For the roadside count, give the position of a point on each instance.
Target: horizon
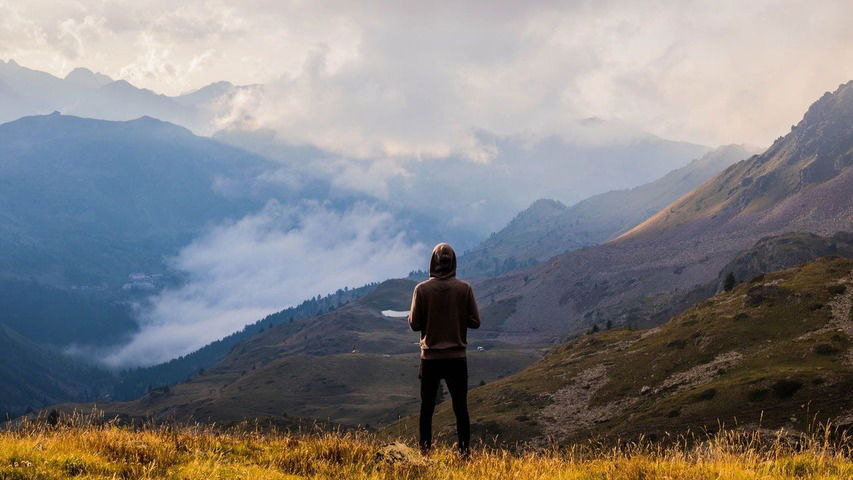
(673, 69)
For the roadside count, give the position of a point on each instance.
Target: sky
(419, 78)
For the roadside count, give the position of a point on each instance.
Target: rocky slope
(548, 227)
(804, 182)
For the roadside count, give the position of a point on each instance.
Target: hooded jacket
(443, 308)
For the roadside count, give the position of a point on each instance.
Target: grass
(76, 447)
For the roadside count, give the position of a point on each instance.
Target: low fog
(240, 272)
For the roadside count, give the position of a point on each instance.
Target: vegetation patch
(786, 388)
(826, 349)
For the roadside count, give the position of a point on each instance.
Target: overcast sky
(416, 77)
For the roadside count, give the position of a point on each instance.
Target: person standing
(443, 309)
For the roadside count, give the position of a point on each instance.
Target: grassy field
(80, 449)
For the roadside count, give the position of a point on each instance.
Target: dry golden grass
(78, 448)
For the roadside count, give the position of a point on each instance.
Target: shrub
(837, 289)
(786, 388)
(758, 395)
(706, 394)
(730, 282)
(825, 349)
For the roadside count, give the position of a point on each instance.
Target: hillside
(351, 366)
(570, 292)
(775, 352)
(34, 377)
(808, 165)
(86, 203)
(548, 227)
(132, 383)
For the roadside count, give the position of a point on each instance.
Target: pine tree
(730, 282)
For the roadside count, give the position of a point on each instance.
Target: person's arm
(473, 312)
(416, 315)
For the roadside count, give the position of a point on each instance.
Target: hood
(443, 262)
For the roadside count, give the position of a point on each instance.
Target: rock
(646, 389)
(399, 452)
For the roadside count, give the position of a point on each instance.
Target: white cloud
(413, 78)
(240, 272)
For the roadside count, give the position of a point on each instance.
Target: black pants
(454, 371)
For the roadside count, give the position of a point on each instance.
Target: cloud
(240, 272)
(392, 78)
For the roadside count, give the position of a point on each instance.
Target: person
(443, 309)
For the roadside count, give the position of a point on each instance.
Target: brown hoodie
(443, 308)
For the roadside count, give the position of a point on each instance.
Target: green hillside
(774, 352)
(350, 366)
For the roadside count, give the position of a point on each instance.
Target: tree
(730, 282)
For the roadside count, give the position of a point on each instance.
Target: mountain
(784, 251)
(326, 366)
(462, 198)
(688, 243)
(805, 169)
(25, 92)
(482, 196)
(87, 203)
(548, 227)
(353, 365)
(34, 377)
(776, 352)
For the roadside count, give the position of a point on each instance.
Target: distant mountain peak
(545, 205)
(86, 78)
(817, 150)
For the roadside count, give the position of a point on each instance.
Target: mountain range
(466, 198)
(27, 92)
(121, 195)
(687, 243)
(86, 204)
(548, 228)
(775, 339)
